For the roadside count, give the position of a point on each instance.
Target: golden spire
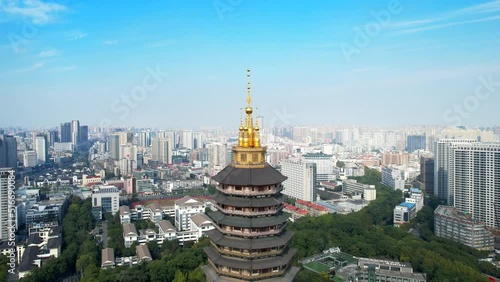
(248, 152)
(249, 98)
(248, 136)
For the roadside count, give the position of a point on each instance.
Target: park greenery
(80, 250)
(4, 267)
(368, 233)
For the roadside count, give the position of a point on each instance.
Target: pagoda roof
(249, 244)
(251, 264)
(240, 221)
(248, 202)
(251, 176)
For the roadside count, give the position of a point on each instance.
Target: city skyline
(383, 63)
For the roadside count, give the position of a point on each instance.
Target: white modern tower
(301, 179)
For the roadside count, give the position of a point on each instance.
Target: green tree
(179, 277)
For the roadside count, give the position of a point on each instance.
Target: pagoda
(250, 240)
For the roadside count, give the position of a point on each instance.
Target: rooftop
(310, 205)
(143, 252)
(166, 225)
(266, 175)
(201, 219)
(188, 201)
(129, 228)
(408, 205)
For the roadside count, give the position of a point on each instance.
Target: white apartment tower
(442, 167)
(4, 209)
(217, 158)
(474, 180)
(41, 149)
(301, 180)
(161, 150)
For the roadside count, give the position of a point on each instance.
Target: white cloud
(110, 42)
(48, 53)
(37, 11)
(31, 68)
(75, 35)
(63, 68)
(484, 12)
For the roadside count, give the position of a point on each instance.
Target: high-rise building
(161, 150)
(186, 139)
(144, 138)
(41, 149)
(30, 159)
(197, 140)
(114, 146)
(75, 132)
(84, 134)
(65, 132)
(8, 151)
(51, 136)
(4, 202)
(415, 142)
(217, 158)
(324, 165)
(427, 174)
(250, 240)
(474, 180)
(301, 182)
(442, 168)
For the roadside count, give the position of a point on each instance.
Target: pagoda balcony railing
(247, 276)
(248, 213)
(248, 192)
(247, 254)
(252, 234)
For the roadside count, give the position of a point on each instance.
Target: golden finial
(249, 99)
(256, 120)
(241, 119)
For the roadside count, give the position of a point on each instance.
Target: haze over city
(352, 63)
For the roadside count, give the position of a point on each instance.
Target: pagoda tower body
(249, 242)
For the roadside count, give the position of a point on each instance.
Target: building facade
(458, 226)
(474, 181)
(184, 209)
(301, 182)
(105, 199)
(442, 153)
(8, 151)
(249, 241)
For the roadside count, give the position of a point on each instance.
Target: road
(104, 235)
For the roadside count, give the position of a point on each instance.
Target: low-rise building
(143, 253)
(200, 223)
(129, 234)
(125, 215)
(404, 212)
(105, 199)
(352, 187)
(166, 230)
(107, 258)
(417, 198)
(461, 227)
(311, 208)
(184, 209)
(384, 270)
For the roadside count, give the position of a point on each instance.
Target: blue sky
(315, 63)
